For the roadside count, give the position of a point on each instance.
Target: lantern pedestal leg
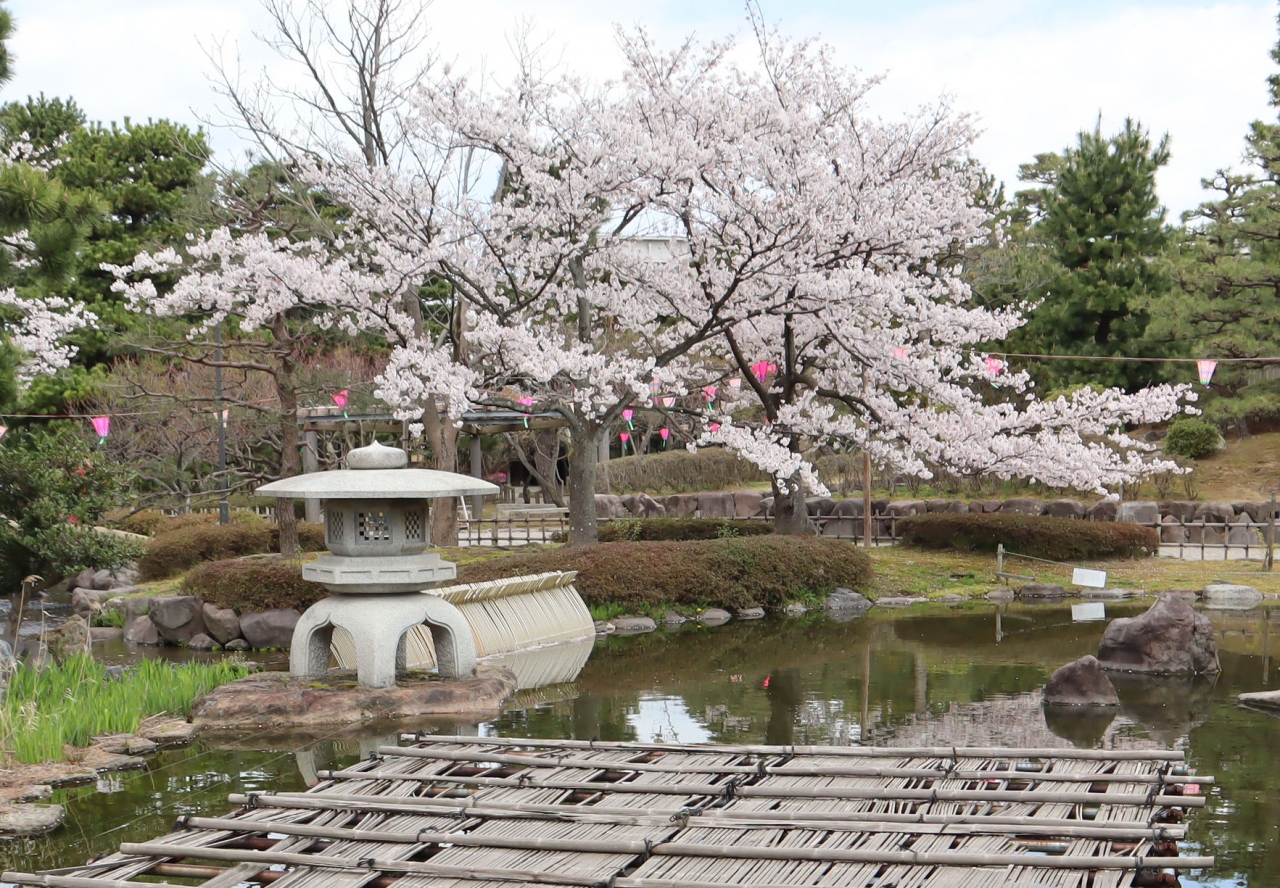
(377, 625)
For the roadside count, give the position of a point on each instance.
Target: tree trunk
(584, 440)
(290, 459)
(442, 435)
(790, 513)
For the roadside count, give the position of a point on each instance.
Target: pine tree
(1089, 255)
(1227, 303)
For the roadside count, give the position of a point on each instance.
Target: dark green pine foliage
(1227, 303)
(130, 184)
(1094, 245)
(6, 31)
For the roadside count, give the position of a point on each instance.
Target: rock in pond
(674, 619)
(1231, 596)
(29, 820)
(1042, 590)
(178, 618)
(1000, 596)
(1170, 638)
(222, 622)
(846, 599)
(202, 642)
(274, 699)
(633, 625)
(749, 613)
(1266, 700)
(899, 601)
(270, 629)
(1080, 683)
(714, 616)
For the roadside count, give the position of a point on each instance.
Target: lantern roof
(377, 472)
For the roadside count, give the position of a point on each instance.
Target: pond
(931, 675)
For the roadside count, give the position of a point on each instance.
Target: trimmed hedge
(677, 471)
(678, 529)
(764, 571)
(253, 584)
(1060, 539)
(198, 539)
(1192, 438)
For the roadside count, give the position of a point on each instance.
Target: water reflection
(967, 675)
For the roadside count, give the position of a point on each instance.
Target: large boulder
(646, 506)
(1179, 509)
(1257, 512)
(102, 580)
(1065, 508)
(680, 505)
(1231, 596)
(902, 508)
(84, 579)
(1023, 506)
(1102, 510)
(221, 622)
(1245, 533)
(820, 506)
(958, 507)
(716, 505)
(1139, 512)
(87, 602)
(1214, 513)
(1210, 536)
(986, 506)
(746, 503)
(1169, 639)
(629, 503)
(843, 599)
(138, 629)
(1172, 530)
(69, 640)
(937, 505)
(178, 618)
(845, 520)
(269, 629)
(1080, 683)
(610, 506)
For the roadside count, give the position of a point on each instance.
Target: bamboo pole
(1028, 827)
(789, 770)
(948, 752)
(784, 792)
(727, 818)
(673, 849)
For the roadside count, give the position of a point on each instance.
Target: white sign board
(1089, 611)
(1096, 579)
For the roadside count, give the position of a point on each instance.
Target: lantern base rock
(278, 700)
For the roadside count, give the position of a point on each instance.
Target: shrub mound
(677, 471)
(764, 571)
(1060, 539)
(1191, 438)
(196, 541)
(678, 529)
(253, 584)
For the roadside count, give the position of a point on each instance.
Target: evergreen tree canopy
(1086, 245)
(1227, 303)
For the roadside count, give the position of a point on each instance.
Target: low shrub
(676, 529)
(193, 542)
(678, 471)
(1191, 438)
(253, 584)
(145, 522)
(175, 551)
(1060, 539)
(764, 571)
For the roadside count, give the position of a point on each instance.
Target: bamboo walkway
(458, 812)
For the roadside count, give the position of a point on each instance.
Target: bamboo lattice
(451, 812)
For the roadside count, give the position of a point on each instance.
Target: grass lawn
(900, 570)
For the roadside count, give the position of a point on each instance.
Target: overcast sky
(1034, 72)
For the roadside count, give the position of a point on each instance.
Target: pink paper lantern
(668, 401)
(340, 398)
(627, 414)
(761, 370)
(710, 392)
(715, 426)
(526, 402)
(102, 425)
(900, 353)
(655, 387)
(1205, 369)
(735, 383)
(3, 429)
(664, 433)
(625, 437)
(995, 366)
(222, 416)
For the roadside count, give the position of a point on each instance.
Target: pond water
(932, 675)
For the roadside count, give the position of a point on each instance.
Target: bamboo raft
(455, 812)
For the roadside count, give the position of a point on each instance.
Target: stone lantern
(377, 533)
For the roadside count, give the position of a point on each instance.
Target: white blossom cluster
(40, 332)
